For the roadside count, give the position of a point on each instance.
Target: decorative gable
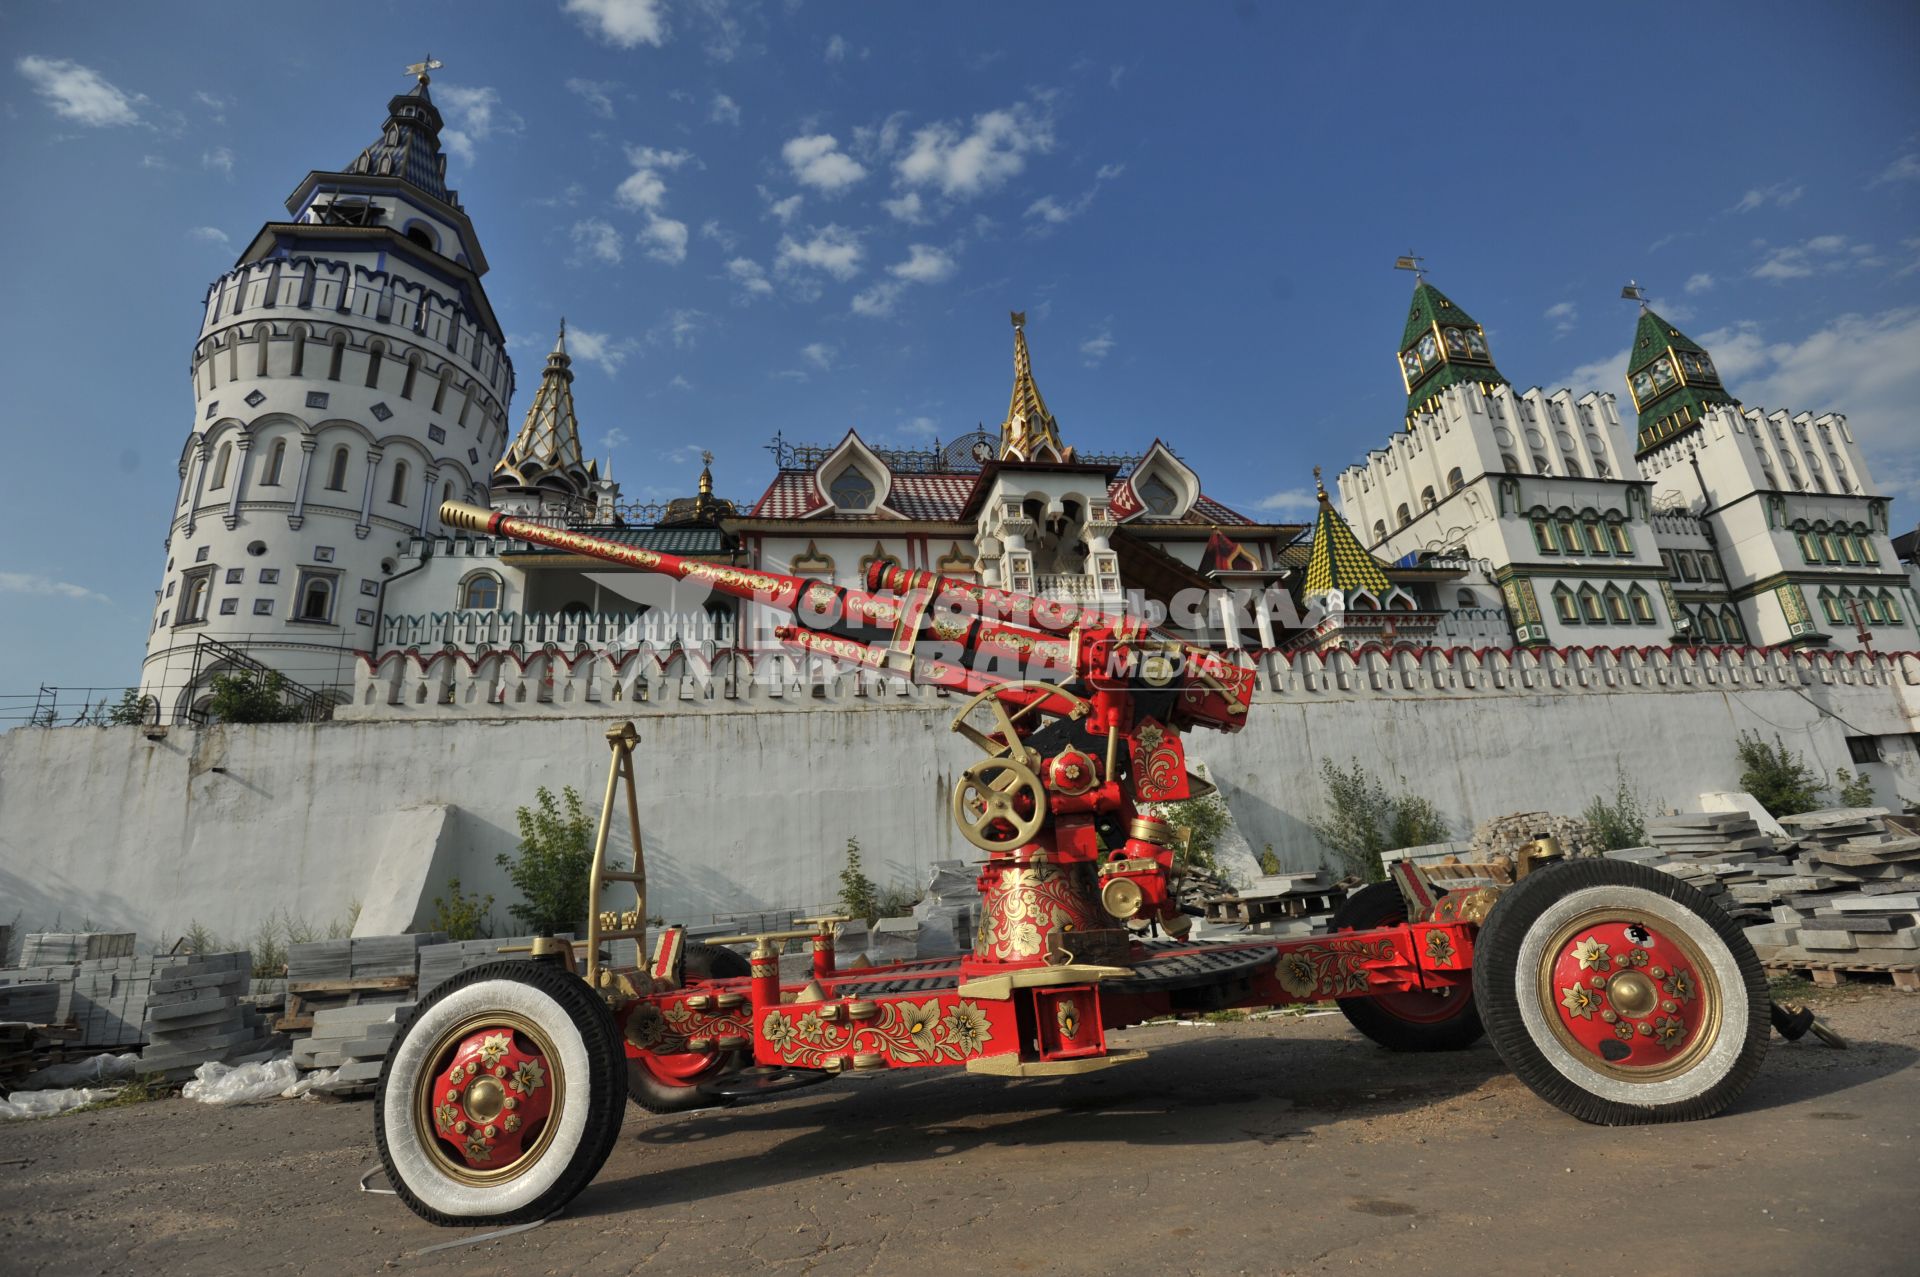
(853, 480)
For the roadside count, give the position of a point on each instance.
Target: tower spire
(409, 144)
(1442, 346)
(1337, 560)
(1030, 432)
(1671, 377)
(546, 456)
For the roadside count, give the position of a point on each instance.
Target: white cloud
(832, 249)
(214, 103)
(1290, 501)
(1053, 212)
(598, 94)
(962, 163)
(595, 239)
(818, 161)
(836, 48)
(1095, 349)
(713, 230)
(666, 239)
(153, 162)
(615, 438)
(219, 159)
(1107, 172)
(1699, 282)
(602, 350)
(819, 354)
(877, 302)
(79, 93)
(724, 32)
(624, 24)
(473, 115)
(679, 382)
(748, 276)
(1904, 169)
(1821, 255)
(1564, 316)
(1608, 375)
(784, 210)
(876, 141)
(645, 190)
(682, 328)
(908, 208)
(724, 110)
(919, 428)
(925, 264)
(1780, 194)
(210, 235)
(34, 583)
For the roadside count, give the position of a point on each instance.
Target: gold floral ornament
(779, 1031)
(968, 1029)
(1592, 953)
(493, 1047)
(1623, 1030)
(1580, 1001)
(1439, 947)
(529, 1077)
(1638, 957)
(1668, 1031)
(478, 1150)
(445, 1116)
(921, 1023)
(1297, 975)
(1067, 1016)
(1680, 985)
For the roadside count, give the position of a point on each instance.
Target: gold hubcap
(493, 1111)
(1632, 993)
(485, 1099)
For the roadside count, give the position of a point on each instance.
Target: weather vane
(1418, 265)
(421, 68)
(1634, 293)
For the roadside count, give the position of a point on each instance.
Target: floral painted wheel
(501, 1096)
(1621, 994)
(1413, 1021)
(668, 1083)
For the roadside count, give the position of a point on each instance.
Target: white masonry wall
(748, 804)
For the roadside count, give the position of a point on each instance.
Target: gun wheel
(500, 1099)
(1620, 994)
(670, 1083)
(1411, 1021)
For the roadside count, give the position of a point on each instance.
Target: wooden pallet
(304, 997)
(1831, 975)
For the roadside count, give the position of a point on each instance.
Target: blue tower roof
(409, 146)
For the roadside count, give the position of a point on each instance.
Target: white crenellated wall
(748, 799)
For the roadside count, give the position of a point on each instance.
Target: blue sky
(799, 217)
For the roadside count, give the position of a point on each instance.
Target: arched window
(397, 495)
(1617, 533)
(1870, 604)
(1563, 605)
(1511, 462)
(1831, 606)
(316, 599)
(1730, 623)
(1616, 605)
(1710, 625)
(1641, 605)
(275, 459)
(1540, 465)
(1596, 540)
(299, 350)
(221, 461)
(446, 493)
(1467, 598)
(481, 592)
(1404, 515)
(337, 472)
(422, 236)
(339, 343)
(1890, 607)
(193, 607)
(852, 490)
(1379, 529)
(375, 351)
(413, 373)
(1160, 498)
(1590, 610)
(1427, 501)
(1455, 480)
(1573, 469)
(1600, 467)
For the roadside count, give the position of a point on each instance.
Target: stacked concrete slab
(195, 1014)
(1292, 904)
(449, 958)
(353, 1041)
(104, 999)
(52, 948)
(37, 1002)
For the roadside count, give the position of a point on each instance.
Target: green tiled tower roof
(1672, 380)
(1338, 561)
(1442, 346)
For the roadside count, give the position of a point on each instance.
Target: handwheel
(986, 795)
(501, 1096)
(668, 1083)
(1621, 994)
(1413, 1021)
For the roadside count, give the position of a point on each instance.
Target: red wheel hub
(1627, 992)
(493, 1097)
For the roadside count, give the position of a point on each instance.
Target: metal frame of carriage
(1617, 993)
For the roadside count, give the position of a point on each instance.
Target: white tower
(349, 375)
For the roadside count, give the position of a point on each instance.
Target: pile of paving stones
(445, 958)
(195, 1013)
(54, 948)
(36, 1002)
(359, 958)
(1507, 836)
(353, 1041)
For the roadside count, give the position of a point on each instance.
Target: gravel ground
(1273, 1146)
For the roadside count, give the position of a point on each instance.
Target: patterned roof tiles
(1338, 561)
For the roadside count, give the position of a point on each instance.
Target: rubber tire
(589, 1054)
(1380, 904)
(1562, 891)
(650, 1093)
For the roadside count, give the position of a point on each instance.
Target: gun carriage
(1617, 993)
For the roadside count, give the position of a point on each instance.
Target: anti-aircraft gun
(1618, 993)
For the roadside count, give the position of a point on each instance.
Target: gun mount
(1617, 993)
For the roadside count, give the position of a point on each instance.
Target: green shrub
(554, 864)
(1777, 776)
(1854, 791)
(133, 709)
(461, 916)
(1269, 861)
(1362, 820)
(1620, 823)
(246, 696)
(859, 897)
(1207, 817)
